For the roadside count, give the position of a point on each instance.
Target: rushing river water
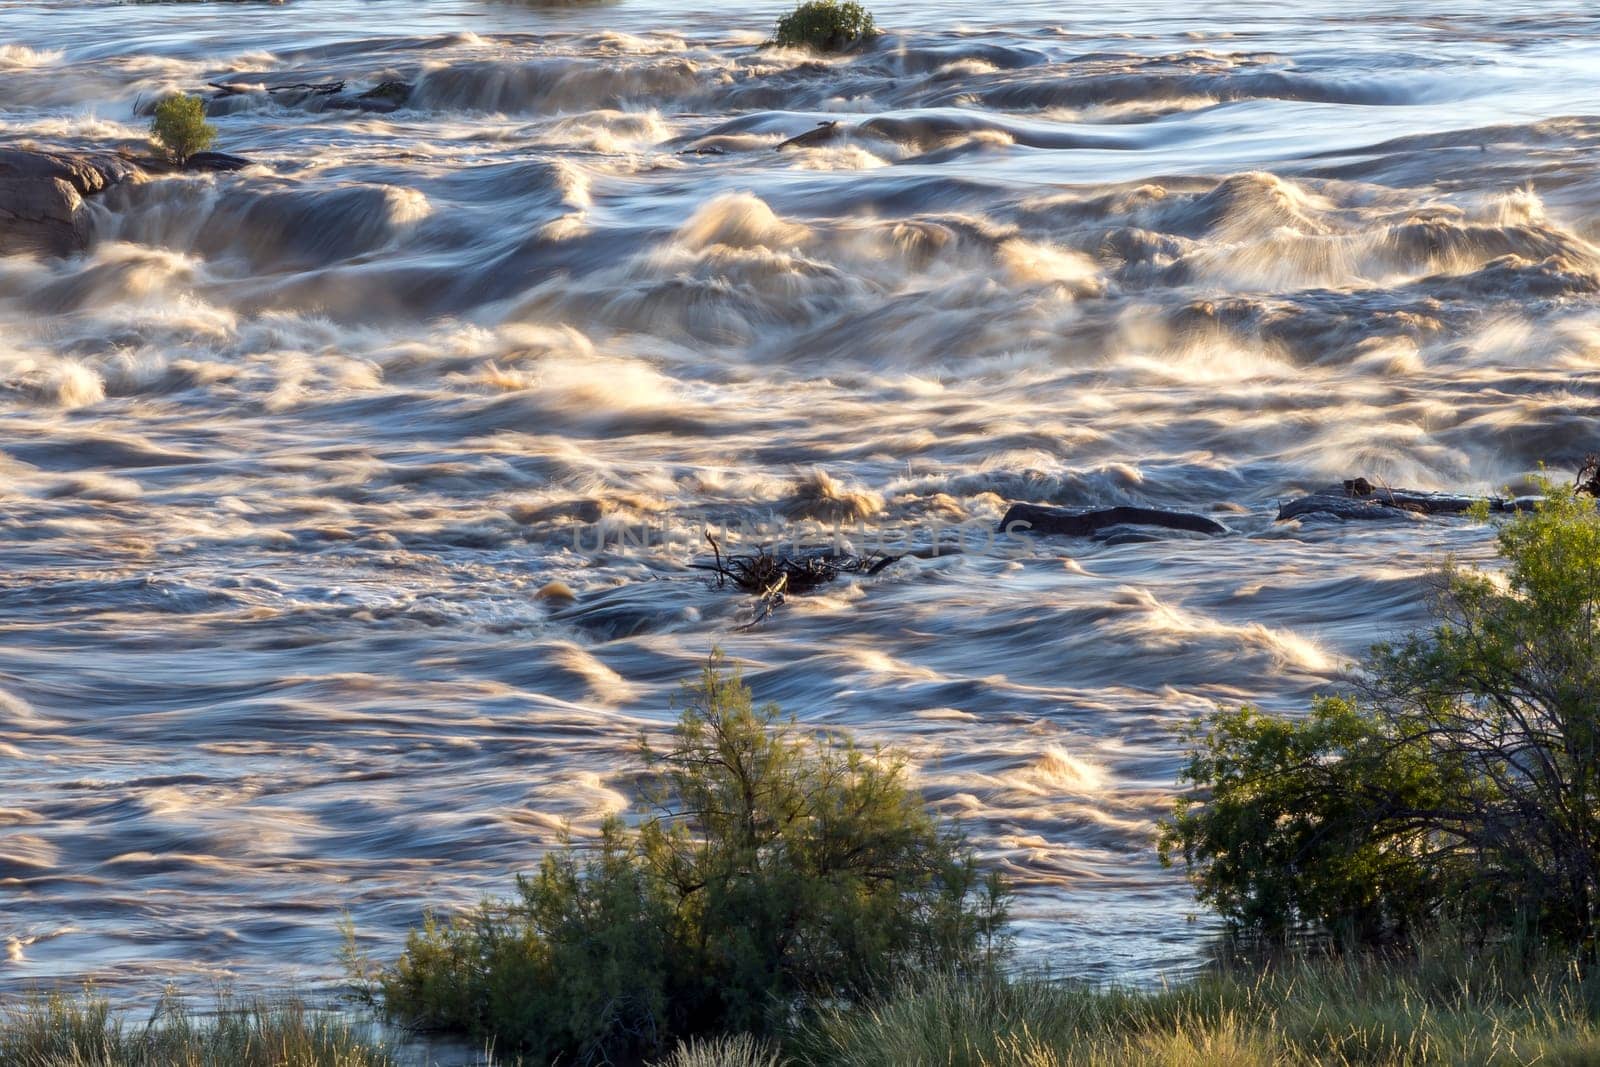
(289, 454)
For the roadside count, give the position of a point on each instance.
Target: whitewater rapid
(301, 463)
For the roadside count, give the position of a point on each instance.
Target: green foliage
(825, 26)
(1439, 1006)
(777, 867)
(1283, 841)
(180, 127)
(82, 1031)
(1462, 785)
(579, 965)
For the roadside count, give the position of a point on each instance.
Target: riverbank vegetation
(777, 868)
(1459, 784)
(1439, 1004)
(83, 1031)
(1409, 874)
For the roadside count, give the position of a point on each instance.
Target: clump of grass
(1451, 1008)
(825, 25)
(82, 1031)
(741, 1050)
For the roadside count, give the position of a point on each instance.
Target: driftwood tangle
(1588, 479)
(771, 578)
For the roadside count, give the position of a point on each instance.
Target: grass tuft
(738, 1051)
(1449, 1009)
(82, 1031)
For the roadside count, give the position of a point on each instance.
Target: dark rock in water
(394, 92)
(1035, 518)
(397, 91)
(824, 133)
(42, 193)
(215, 161)
(1358, 498)
(383, 98)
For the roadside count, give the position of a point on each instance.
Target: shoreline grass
(1442, 1005)
(83, 1030)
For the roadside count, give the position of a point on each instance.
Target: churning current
(350, 502)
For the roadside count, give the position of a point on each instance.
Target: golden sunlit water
(288, 455)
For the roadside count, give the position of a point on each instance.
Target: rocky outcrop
(42, 192)
(1360, 499)
(1035, 518)
(200, 162)
(42, 197)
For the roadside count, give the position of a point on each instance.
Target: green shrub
(1463, 784)
(180, 127)
(778, 867)
(825, 25)
(1282, 840)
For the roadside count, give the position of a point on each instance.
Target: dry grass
(1438, 1008)
(1449, 1010)
(83, 1031)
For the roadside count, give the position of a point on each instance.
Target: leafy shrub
(180, 127)
(825, 25)
(1282, 839)
(778, 867)
(1461, 785)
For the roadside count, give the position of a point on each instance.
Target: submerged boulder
(825, 133)
(385, 96)
(1036, 518)
(42, 197)
(382, 98)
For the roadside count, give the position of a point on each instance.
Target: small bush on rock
(180, 127)
(825, 25)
